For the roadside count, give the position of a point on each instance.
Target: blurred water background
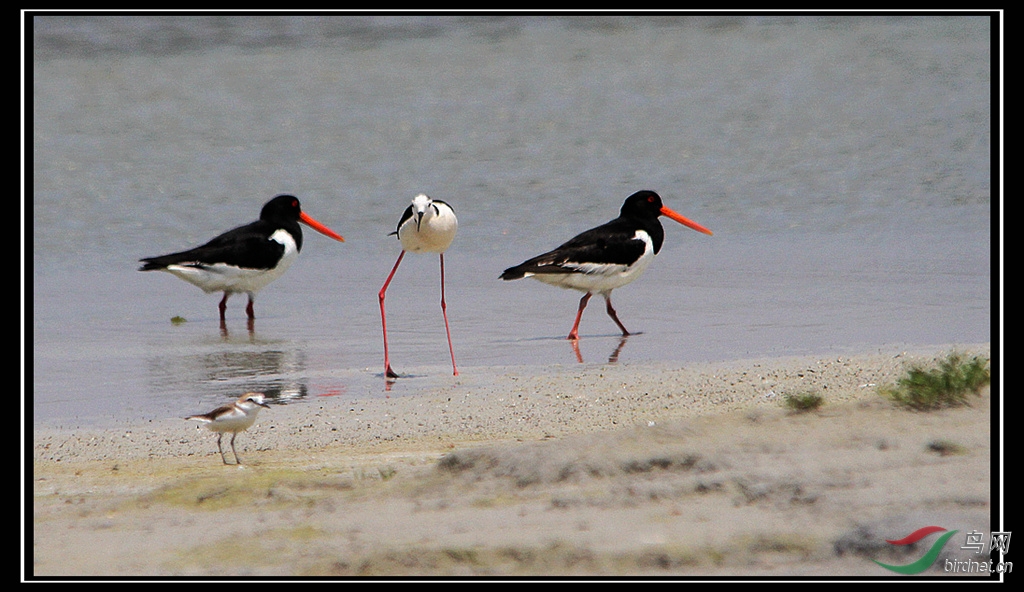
(842, 161)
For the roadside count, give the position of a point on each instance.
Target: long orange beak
(303, 216)
(683, 220)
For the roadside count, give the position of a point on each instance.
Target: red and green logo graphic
(929, 558)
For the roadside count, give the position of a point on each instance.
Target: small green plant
(177, 320)
(946, 447)
(946, 386)
(803, 402)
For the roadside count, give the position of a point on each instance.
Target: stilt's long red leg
(388, 372)
(444, 312)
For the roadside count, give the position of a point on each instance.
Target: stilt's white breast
(431, 233)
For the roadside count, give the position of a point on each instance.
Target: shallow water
(843, 163)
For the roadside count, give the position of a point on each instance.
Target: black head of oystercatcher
(607, 257)
(246, 258)
(427, 226)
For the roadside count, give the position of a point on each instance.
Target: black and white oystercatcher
(604, 258)
(427, 226)
(247, 258)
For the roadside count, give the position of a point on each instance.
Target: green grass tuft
(948, 385)
(803, 402)
(945, 448)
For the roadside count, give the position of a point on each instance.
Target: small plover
(234, 418)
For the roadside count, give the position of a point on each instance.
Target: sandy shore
(590, 471)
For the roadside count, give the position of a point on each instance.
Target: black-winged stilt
(427, 226)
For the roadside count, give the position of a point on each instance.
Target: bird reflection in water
(612, 358)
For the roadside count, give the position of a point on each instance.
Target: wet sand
(588, 471)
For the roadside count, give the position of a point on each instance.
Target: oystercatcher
(247, 258)
(427, 226)
(607, 257)
(234, 418)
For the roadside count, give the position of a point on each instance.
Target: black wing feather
(612, 243)
(247, 247)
